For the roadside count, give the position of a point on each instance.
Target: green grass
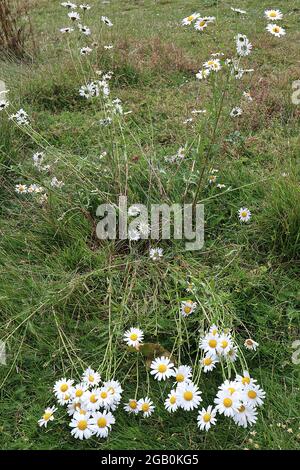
(63, 293)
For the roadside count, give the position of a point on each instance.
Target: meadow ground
(66, 298)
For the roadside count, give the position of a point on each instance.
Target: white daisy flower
(188, 396)
(133, 337)
(213, 64)
(202, 74)
(221, 186)
(232, 354)
(253, 395)
(38, 158)
(245, 415)
(85, 50)
(189, 19)
(90, 377)
(66, 30)
(70, 5)
(209, 344)
(85, 6)
(245, 379)
(91, 400)
(3, 104)
(35, 188)
(21, 117)
(47, 416)
(82, 426)
(201, 24)
(115, 389)
(74, 16)
(63, 387)
(145, 405)
(21, 188)
(244, 49)
(134, 235)
(75, 406)
(84, 29)
(105, 122)
(251, 344)
(108, 47)
(187, 307)
(106, 397)
(79, 391)
(232, 387)
(106, 21)
(236, 111)
(162, 368)
(171, 404)
(244, 214)
(206, 418)
(214, 330)
(276, 30)
(132, 406)
(273, 15)
(155, 253)
(224, 344)
(55, 183)
(101, 423)
(227, 403)
(209, 363)
(183, 374)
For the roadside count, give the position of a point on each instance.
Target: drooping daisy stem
(212, 141)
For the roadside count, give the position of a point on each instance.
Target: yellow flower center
(190, 18)
(252, 394)
(224, 344)
(47, 416)
(103, 395)
(202, 23)
(133, 404)
(145, 407)
(231, 390)
(93, 398)
(245, 380)
(214, 332)
(273, 14)
(188, 395)
(276, 29)
(172, 400)
(102, 422)
(212, 343)
(64, 388)
(67, 397)
(133, 336)
(82, 425)
(179, 378)
(162, 368)
(82, 412)
(187, 309)
(244, 214)
(79, 393)
(91, 378)
(242, 409)
(206, 417)
(227, 402)
(207, 361)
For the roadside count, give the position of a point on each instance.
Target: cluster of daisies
(273, 28)
(200, 22)
(237, 399)
(89, 404)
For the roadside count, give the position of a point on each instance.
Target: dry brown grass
(155, 54)
(15, 27)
